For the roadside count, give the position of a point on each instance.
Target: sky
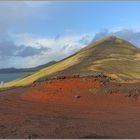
(36, 32)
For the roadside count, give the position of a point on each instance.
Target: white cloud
(13, 46)
(59, 47)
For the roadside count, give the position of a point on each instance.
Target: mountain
(111, 56)
(16, 70)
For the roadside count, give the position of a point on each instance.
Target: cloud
(31, 50)
(58, 47)
(8, 49)
(26, 51)
(103, 33)
(17, 14)
(21, 49)
(85, 39)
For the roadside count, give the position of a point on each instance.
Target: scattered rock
(27, 120)
(32, 136)
(119, 85)
(2, 126)
(137, 91)
(103, 83)
(76, 76)
(110, 91)
(77, 96)
(14, 130)
(129, 95)
(61, 77)
(135, 95)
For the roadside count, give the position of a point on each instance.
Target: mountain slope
(112, 56)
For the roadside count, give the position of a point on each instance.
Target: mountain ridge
(32, 69)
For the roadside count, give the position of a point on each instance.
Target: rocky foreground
(71, 107)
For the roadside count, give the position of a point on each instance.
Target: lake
(6, 77)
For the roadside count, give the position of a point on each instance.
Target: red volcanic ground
(68, 108)
(63, 91)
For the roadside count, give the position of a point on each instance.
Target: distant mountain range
(33, 69)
